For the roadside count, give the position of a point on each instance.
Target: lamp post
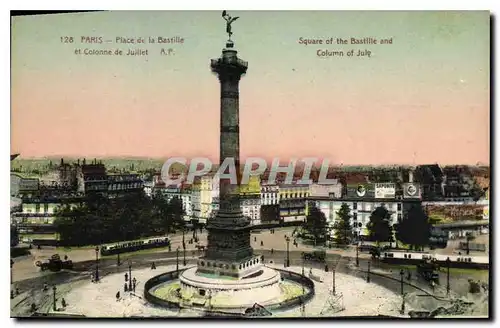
(357, 254)
(96, 263)
(401, 273)
(448, 276)
(11, 265)
(303, 260)
(54, 289)
(287, 251)
(184, 257)
(368, 276)
(129, 275)
(183, 239)
(333, 280)
(118, 259)
(177, 261)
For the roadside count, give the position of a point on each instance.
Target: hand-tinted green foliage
(100, 220)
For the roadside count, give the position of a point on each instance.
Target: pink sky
(424, 99)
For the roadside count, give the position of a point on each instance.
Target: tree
(342, 226)
(477, 193)
(380, 228)
(101, 220)
(414, 229)
(469, 237)
(14, 236)
(316, 225)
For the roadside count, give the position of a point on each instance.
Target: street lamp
(11, 265)
(357, 254)
(333, 280)
(368, 276)
(287, 251)
(448, 276)
(183, 240)
(303, 259)
(177, 260)
(184, 256)
(54, 289)
(96, 263)
(401, 272)
(129, 275)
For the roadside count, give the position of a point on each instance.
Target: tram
(134, 245)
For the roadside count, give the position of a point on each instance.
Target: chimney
(62, 162)
(410, 176)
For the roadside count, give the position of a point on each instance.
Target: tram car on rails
(456, 261)
(134, 245)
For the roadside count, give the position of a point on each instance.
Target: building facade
(363, 199)
(292, 202)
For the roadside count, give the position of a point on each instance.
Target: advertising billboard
(362, 190)
(28, 185)
(385, 190)
(411, 190)
(326, 191)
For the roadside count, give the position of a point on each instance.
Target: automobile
(54, 263)
(316, 255)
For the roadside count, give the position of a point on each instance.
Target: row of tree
(414, 229)
(101, 220)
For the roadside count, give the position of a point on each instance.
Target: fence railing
(285, 305)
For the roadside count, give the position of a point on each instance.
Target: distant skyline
(423, 99)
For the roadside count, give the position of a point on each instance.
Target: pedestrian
(30, 247)
(63, 303)
(125, 287)
(117, 296)
(11, 294)
(33, 307)
(65, 257)
(45, 287)
(261, 243)
(169, 248)
(17, 291)
(126, 277)
(272, 250)
(92, 277)
(254, 238)
(39, 247)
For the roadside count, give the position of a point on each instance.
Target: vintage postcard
(241, 164)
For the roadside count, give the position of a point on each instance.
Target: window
(355, 206)
(399, 206)
(45, 208)
(355, 216)
(37, 208)
(399, 216)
